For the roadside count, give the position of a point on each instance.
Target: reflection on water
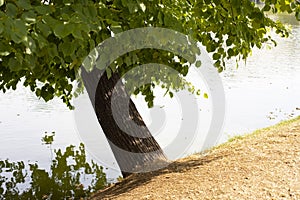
(70, 176)
(260, 93)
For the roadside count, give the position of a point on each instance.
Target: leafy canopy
(43, 43)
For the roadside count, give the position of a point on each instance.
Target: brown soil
(262, 165)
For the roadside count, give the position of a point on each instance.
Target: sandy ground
(262, 165)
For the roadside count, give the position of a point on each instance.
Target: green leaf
(25, 4)
(14, 65)
(150, 104)
(229, 41)
(216, 56)
(48, 139)
(45, 29)
(52, 49)
(29, 17)
(67, 48)
(63, 30)
(136, 92)
(12, 10)
(5, 49)
(198, 63)
(42, 42)
(77, 34)
(47, 92)
(230, 52)
(19, 31)
(210, 47)
(43, 10)
(205, 95)
(30, 61)
(50, 21)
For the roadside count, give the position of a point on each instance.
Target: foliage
(44, 43)
(48, 139)
(69, 170)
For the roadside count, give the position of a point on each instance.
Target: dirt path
(263, 165)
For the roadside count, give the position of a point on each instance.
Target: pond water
(258, 94)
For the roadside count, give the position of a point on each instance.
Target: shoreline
(264, 164)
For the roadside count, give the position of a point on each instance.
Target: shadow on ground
(136, 180)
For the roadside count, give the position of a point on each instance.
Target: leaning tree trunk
(132, 144)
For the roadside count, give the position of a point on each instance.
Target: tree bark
(132, 144)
